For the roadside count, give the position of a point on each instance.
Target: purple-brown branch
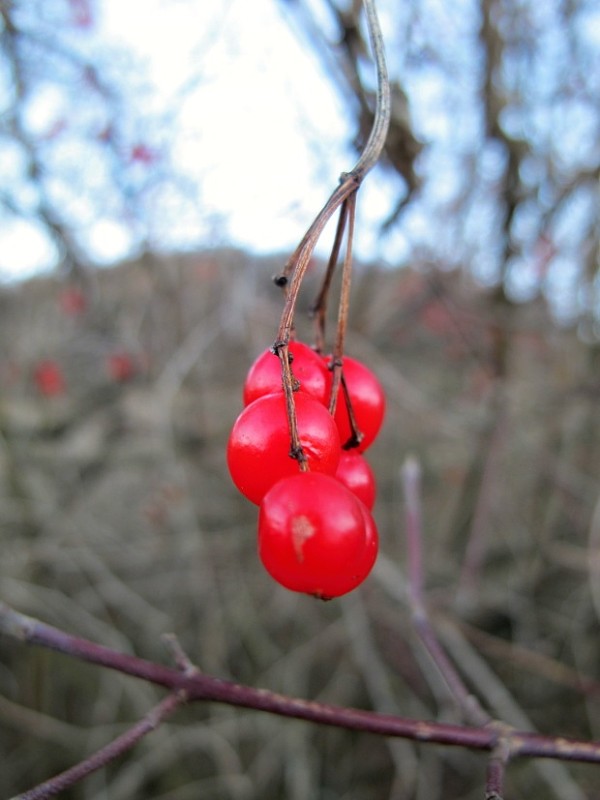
(204, 687)
(105, 755)
(494, 782)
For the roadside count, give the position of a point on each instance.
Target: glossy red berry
(258, 450)
(368, 404)
(264, 376)
(49, 378)
(356, 474)
(369, 554)
(315, 536)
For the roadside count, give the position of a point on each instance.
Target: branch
(204, 687)
(468, 703)
(343, 197)
(101, 758)
(495, 773)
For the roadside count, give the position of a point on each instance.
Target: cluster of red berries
(315, 530)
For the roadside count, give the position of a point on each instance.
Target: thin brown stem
(356, 435)
(344, 307)
(376, 141)
(289, 387)
(300, 259)
(337, 366)
(319, 307)
(295, 269)
(350, 181)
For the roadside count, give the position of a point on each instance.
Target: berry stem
(299, 260)
(356, 435)
(294, 271)
(282, 350)
(376, 141)
(319, 307)
(349, 181)
(343, 309)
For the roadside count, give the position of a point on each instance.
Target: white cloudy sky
(265, 132)
(263, 137)
(261, 131)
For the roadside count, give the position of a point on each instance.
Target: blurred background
(160, 160)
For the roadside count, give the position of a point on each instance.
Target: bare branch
(470, 706)
(101, 758)
(204, 687)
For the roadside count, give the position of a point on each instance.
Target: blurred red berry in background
(81, 13)
(72, 301)
(120, 366)
(49, 378)
(142, 154)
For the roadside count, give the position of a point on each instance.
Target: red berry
(258, 450)
(120, 367)
(264, 376)
(49, 378)
(368, 404)
(369, 555)
(312, 535)
(72, 301)
(356, 474)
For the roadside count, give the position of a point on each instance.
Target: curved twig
(376, 141)
(295, 269)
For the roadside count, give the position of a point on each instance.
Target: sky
(260, 131)
(240, 125)
(260, 137)
(275, 131)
